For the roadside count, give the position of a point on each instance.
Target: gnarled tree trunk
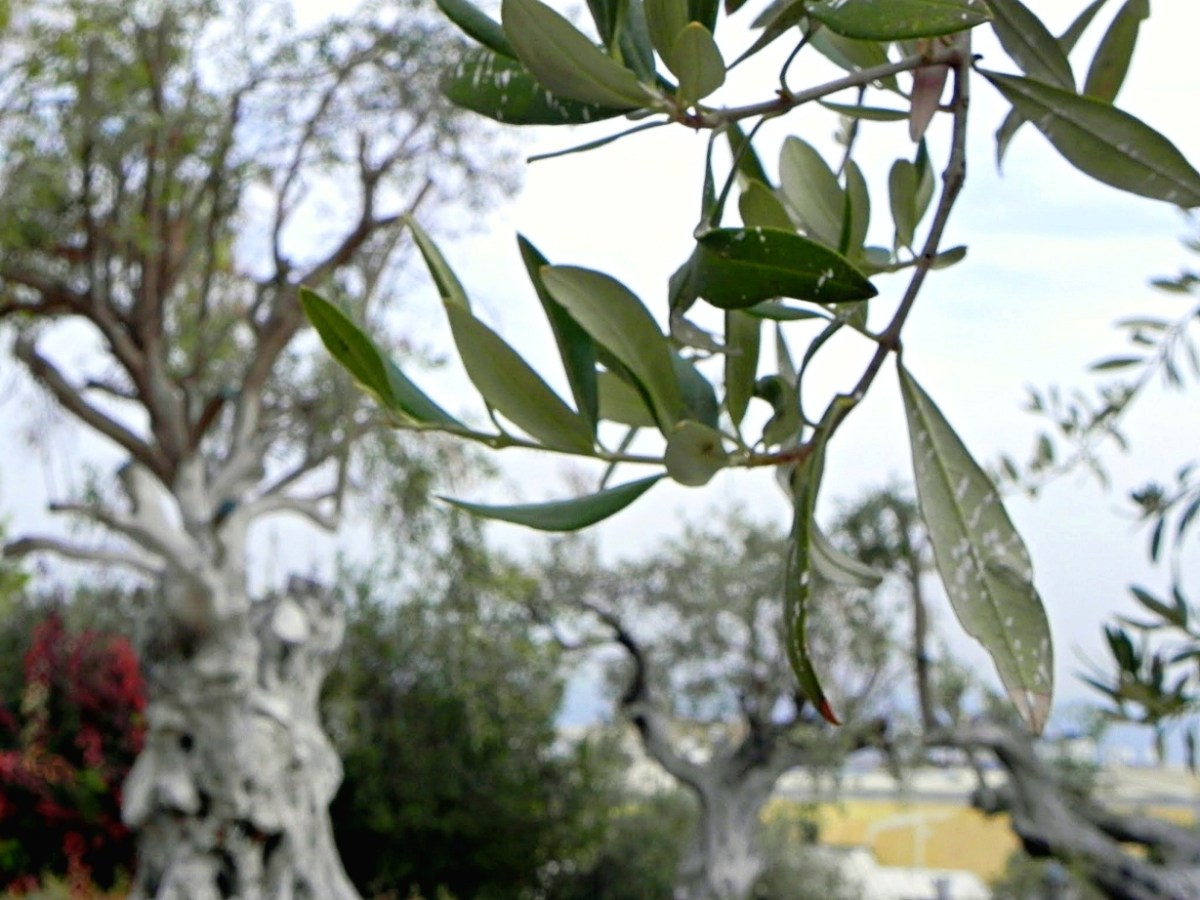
(231, 794)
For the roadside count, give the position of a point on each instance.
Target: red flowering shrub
(66, 744)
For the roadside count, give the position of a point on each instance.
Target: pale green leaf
(981, 558)
(895, 20)
(699, 397)
(837, 567)
(617, 320)
(858, 205)
(564, 60)
(1104, 142)
(697, 63)
(620, 402)
(694, 454)
(760, 207)
(870, 113)
(1030, 44)
(514, 389)
(563, 515)
(902, 193)
(450, 289)
(743, 337)
(665, 19)
(812, 191)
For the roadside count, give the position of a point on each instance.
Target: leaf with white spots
(502, 89)
(981, 558)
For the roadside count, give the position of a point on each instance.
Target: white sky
(1054, 260)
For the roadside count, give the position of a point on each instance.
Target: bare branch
(70, 397)
(311, 508)
(27, 546)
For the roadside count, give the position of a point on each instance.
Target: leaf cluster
(798, 257)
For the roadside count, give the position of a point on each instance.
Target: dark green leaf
(784, 424)
(1028, 42)
(779, 19)
(1116, 362)
(982, 560)
(1104, 142)
(634, 42)
(699, 398)
(895, 20)
(617, 320)
(563, 60)
(1111, 62)
(735, 268)
(575, 346)
(606, 14)
(477, 24)
(743, 336)
(799, 578)
(501, 89)
(370, 368)
(564, 515)
(694, 454)
(704, 12)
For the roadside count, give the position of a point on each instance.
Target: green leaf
(704, 12)
(634, 42)
(477, 24)
(355, 352)
(575, 345)
(739, 267)
(837, 567)
(870, 113)
(812, 190)
(699, 397)
(450, 289)
(514, 389)
(617, 320)
(1116, 362)
(799, 579)
(896, 20)
(743, 339)
(852, 55)
(947, 258)
(501, 89)
(697, 62)
(665, 19)
(1030, 44)
(606, 14)
(694, 454)
(858, 210)
(565, 61)
(781, 312)
(784, 424)
(749, 166)
(776, 20)
(902, 193)
(1110, 65)
(564, 515)
(982, 560)
(1066, 42)
(760, 207)
(1104, 142)
(621, 402)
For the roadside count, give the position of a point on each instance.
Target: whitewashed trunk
(723, 858)
(230, 795)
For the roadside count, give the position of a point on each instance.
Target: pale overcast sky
(1054, 259)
